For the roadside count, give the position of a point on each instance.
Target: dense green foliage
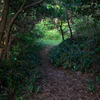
(43, 27)
(79, 53)
(46, 30)
(86, 27)
(35, 27)
(74, 54)
(20, 71)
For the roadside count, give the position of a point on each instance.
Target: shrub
(75, 54)
(52, 34)
(39, 30)
(20, 71)
(86, 28)
(49, 23)
(42, 28)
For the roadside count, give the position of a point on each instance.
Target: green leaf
(97, 79)
(38, 89)
(21, 0)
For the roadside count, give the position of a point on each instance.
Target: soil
(61, 84)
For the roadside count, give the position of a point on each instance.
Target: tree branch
(33, 4)
(23, 4)
(4, 18)
(12, 21)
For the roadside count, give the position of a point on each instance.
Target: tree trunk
(9, 29)
(1, 6)
(3, 24)
(4, 19)
(56, 23)
(69, 23)
(62, 33)
(70, 29)
(70, 16)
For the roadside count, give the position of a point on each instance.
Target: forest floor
(60, 84)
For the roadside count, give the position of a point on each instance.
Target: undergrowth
(20, 73)
(46, 30)
(79, 53)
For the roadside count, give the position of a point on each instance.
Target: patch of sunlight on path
(49, 42)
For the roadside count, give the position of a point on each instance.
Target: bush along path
(60, 84)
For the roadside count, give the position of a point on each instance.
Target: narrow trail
(60, 84)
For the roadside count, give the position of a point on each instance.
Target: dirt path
(60, 84)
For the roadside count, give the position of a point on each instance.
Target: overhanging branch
(33, 4)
